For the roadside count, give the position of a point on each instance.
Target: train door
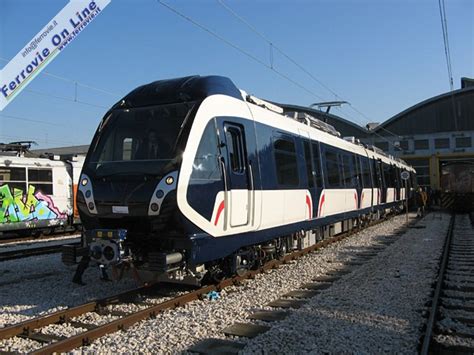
(313, 172)
(238, 173)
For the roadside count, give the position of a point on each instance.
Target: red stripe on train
(308, 202)
(321, 202)
(219, 211)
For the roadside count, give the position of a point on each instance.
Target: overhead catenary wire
(292, 60)
(444, 28)
(73, 81)
(65, 98)
(238, 48)
(249, 55)
(31, 120)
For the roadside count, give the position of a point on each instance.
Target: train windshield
(138, 140)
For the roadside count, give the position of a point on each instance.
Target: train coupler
(72, 254)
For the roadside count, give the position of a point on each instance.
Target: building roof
(71, 150)
(451, 111)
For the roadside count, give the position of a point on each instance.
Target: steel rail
(126, 321)
(6, 240)
(437, 293)
(27, 252)
(28, 326)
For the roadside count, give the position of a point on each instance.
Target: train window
(397, 177)
(350, 175)
(358, 169)
(40, 175)
(377, 174)
(12, 174)
(14, 178)
(206, 163)
(286, 162)
(41, 179)
(332, 169)
(387, 175)
(235, 148)
(317, 164)
(156, 131)
(309, 165)
(365, 172)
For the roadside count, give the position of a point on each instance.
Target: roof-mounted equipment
(303, 117)
(262, 103)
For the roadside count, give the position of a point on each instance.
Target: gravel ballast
(375, 308)
(382, 298)
(378, 309)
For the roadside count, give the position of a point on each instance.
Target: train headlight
(164, 187)
(84, 181)
(91, 206)
(88, 193)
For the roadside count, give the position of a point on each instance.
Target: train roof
(8, 160)
(189, 88)
(273, 114)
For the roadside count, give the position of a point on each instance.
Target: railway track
(19, 253)
(7, 239)
(32, 329)
(450, 326)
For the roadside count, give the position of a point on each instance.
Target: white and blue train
(192, 178)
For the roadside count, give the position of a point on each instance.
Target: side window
(396, 176)
(365, 170)
(376, 174)
(332, 168)
(206, 163)
(41, 179)
(381, 172)
(309, 165)
(387, 174)
(317, 164)
(349, 171)
(286, 162)
(235, 147)
(15, 178)
(357, 171)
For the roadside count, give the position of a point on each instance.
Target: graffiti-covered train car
(37, 195)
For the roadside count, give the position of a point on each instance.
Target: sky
(382, 56)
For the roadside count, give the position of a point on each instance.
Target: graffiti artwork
(20, 207)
